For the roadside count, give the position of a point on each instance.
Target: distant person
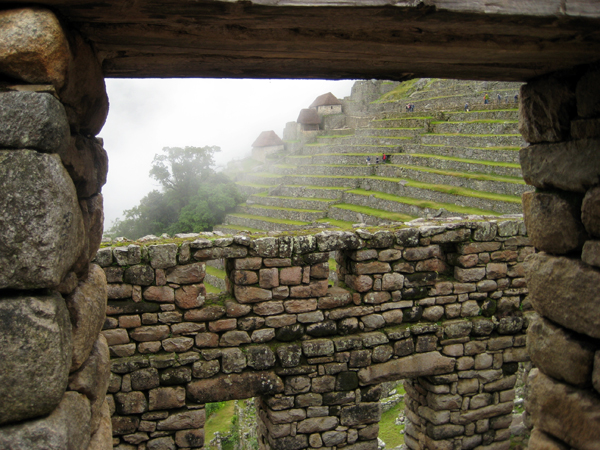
(377, 160)
(499, 99)
(466, 107)
(516, 98)
(486, 99)
(368, 160)
(383, 158)
(408, 107)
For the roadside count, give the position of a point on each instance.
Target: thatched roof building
(266, 144)
(309, 119)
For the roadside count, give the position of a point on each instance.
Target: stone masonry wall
(560, 118)
(437, 303)
(54, 364)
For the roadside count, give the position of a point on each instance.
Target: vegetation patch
(471, 176)
(379, 213)
(468, 161)
(269, 219)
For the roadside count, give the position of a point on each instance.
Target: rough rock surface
(66, 428)
(421, 364)
(87, 163)
(35, 355)
(558, 353)
(40, 219)
(235, 386)
(590, 211)
(87, 309)
(565, 412)
(33, 120)
(553, 221)
(566, 291)
(571, 166)
(102, 438)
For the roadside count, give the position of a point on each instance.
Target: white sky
(147, 115)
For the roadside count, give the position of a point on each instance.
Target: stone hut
(327, 104)
(309, 120)
(266, 144)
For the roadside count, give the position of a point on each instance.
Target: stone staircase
(442, 161)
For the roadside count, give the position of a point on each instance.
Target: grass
(266, 195)
(239, 228)
(282, 209)
(470, 176)
(437, 122)
(466, 160)
(337, 223)
(269, 219)
(424, 203)
(474, 135)
(338, 188)
(220, 421)
(403, 118)
(381, 214)
(389, 432)
(210, 289)
(403, 90)
(216, 272)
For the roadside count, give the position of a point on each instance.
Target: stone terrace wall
(437, 303)
(54, 364)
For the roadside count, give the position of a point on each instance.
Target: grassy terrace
(405, 117)
(515, 149)
(381, 214)
(337, 223)
(240, 228)
(218, 273)
(255, 185)
(424, 203)
(324, 200)
(475, 121)
(268, 219)
(332, 188)
(466, 160)
(360, 146)
(473, 135)
(470, 176)
(281, 209)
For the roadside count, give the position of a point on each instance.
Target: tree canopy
(193, 197)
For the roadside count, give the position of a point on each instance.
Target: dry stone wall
(438, 303)
(54, 364)
(560, 118)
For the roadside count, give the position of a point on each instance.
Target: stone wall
(439, 303)
(560, 117)
(54, 364)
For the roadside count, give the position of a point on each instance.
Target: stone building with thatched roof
(309, 120)
(327, 104)
(266, 144)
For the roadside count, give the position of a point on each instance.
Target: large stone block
(418, 365)
(546, 108)
(92, 380)
(87, 163)
(234, 387)
(87, 309)
(566, 291)
(32, 120)
(571, 166)
(553, 221)
(559, 353)
(590, 211)
(92, 210)
(541, 441)
(41, 222)
(35, 355)
(101, 439)
(565, 412)
(66, 428)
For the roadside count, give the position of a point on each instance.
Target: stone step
(474, 140)
(260, 223)
(291, 202)
(298, 215)
(367, 215)
(496, 154)
(367, 140)
(235, 229)
(251, 189)
(390, 132)
(372, 149)
(476, 127)
(482, 114)
(462, 165)
(508, 186)
(330, 193)
(262, 179)
(335, 159)
(399, 122)
(363, 170)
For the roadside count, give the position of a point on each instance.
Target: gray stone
(161, 443)
(591, 253)
(41, 222)
(140, 275)
(590, 211)
(35, 355)
(541, 441)
(32, 120)
(162, 256)
(87, 309)
(421, 364)
(559, 353)
(66, 428)
(546, 108)
(234, 387)
(361, 414)
(233, 360)
(570, 414)
(565, 291)
(553, 221)
(571, 166)
(260, 357)
(128, 256)
(92, 379)
(101, 438)
(183, 420)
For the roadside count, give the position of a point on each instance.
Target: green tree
(153, 215)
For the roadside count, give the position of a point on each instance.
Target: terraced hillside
(441, 160)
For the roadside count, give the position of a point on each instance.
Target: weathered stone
(568, 413)
(35, 355)
(66, 428)
(43, 232)
(208, 254)
(131, 402)
(101, 438)
(87, 309)
(570, 166)
(360, 414)
(360, 283)
(193, 438)
(249, 294)
(177, 344)
(318, 347)
(128, 256)
(469, 275)
(166, 398)
(590, 211)
(140, 275)
(546, 108)
(422, 364)
(268, 278)
(317, 424)
(559, 353)
(183, 420)
(361, 268)
(591, 253)
(160, 294)
(422, 253)
(150, 333)
(235, 387)
(553, 221)
(161, 443)
(234, 338)
(162, 256)
(564, 290)
(92, 379)
(541, 441)
(207, 313)
(244, 277)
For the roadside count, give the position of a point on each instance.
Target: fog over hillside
(147, 115)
